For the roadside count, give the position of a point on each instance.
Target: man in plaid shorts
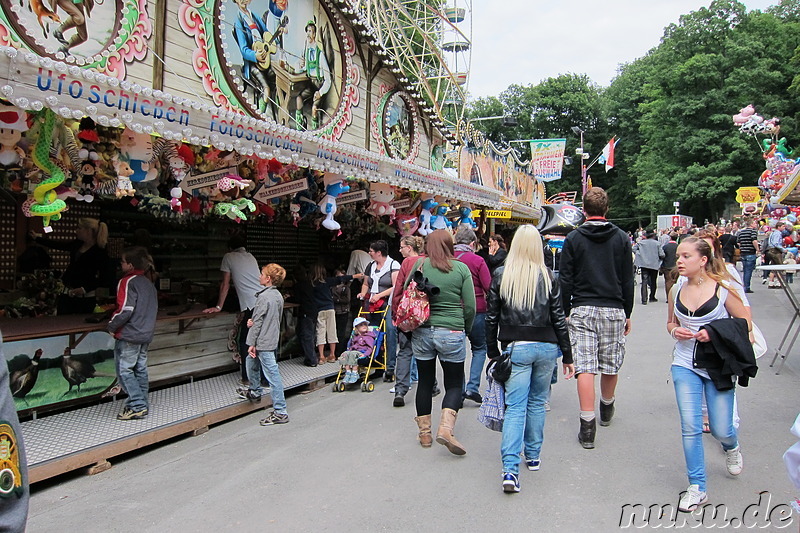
(596, 279)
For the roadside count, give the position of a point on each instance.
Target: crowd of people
(512, 308)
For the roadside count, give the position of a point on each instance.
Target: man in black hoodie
(596, 280)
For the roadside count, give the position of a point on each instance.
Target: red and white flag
(608, 153)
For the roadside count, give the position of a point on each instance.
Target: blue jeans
(448, 345)
(131, 363)
(477, 340)
(526, 392)
(748, 266)
(391, 343)
(689, 388)
(270, 368)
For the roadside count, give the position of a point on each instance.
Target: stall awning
(32, 82)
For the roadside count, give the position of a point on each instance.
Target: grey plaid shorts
(597, 338)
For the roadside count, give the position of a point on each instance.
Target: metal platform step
(66, 441)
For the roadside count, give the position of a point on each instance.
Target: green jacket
(454, 306)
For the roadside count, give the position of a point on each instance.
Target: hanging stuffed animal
(439, 220)
(235, 207)
(426, 215)
(137, 148)
(12, 124)
(87, 172)
(334, 186)
(294, 209)
(380, 200)
(175, 201)
(124, 173)
(465, 216)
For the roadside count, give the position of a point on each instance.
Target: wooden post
(159, 44)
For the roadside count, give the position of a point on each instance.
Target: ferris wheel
(430, 42)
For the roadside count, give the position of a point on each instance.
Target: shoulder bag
(414, 307)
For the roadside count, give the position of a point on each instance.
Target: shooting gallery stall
(178, 123)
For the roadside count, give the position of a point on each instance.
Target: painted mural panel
(45, 372)
(288, 61)
(101, 34)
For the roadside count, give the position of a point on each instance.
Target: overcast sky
(526, 41)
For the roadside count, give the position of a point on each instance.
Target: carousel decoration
(103, 36)
(298, 72)
(429, 50)
(395, 125)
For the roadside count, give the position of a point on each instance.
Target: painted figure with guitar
(257, 45)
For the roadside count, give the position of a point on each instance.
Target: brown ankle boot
(424, 423)
(445, 433)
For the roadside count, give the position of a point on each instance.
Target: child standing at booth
(262, 339)
(133, 326)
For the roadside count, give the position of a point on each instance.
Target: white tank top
(683, 352)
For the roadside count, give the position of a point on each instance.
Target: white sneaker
(391, 390)
(692, 498)
(547, 406)
(733, 461)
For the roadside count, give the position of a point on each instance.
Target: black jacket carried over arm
(728, 354)
(545, 322)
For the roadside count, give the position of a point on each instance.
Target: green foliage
(672, 111)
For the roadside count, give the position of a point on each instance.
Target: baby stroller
(367, 365)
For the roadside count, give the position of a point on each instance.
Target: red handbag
(414, 307)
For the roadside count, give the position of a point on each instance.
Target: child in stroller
(359, 349)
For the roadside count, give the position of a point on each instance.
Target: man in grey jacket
(649, 255)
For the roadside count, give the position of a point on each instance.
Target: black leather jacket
(545, 322)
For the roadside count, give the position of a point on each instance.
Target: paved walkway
(350, 462)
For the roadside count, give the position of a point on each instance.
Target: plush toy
(87, 171)
(465, 216)
(138, 149)
(426, 215)
(12, 125)
(234, 207)
(380, 198)
(175, 201)
(334, 187)
(294, 209)
(178, 168)
(124, 173)
(439, 220)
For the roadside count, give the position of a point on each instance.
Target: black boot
(586, 434)
(606, 413)
(399, 400)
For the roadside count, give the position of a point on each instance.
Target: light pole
(579, 152)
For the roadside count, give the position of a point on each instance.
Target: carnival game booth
(292, 123)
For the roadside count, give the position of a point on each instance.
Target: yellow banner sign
(492, 213)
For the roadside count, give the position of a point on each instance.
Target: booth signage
(492, 213)
(352, 197)
(207, 179)
(282, 189)
(402, 203)
(73, 92)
